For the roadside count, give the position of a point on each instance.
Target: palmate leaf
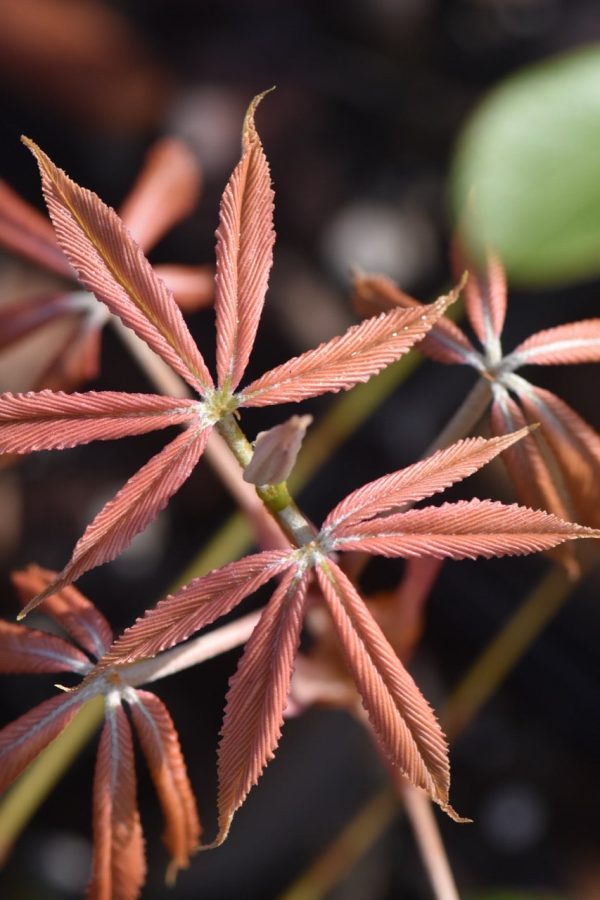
(422, 479)
(26, 232)
(245, 239)
(463, 530)
(485, 296)
(131, 510)
(577, 342)
(49, 420)
(402, 720)
(257, 697)
(73, 612)
(111, 265)
(28, 650)
(160, 745)
(344, 361)
(118, 864)
(197, 604)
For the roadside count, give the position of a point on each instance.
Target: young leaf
(346, 360)
(111, 265)
(161, 748)
(28, 650)
(165, 191)
(73, 612)
(197, 604)
(245, 239)
(276, 450)
(257, 697)
(577, 342)
(464, 530)
(131, 510)
(402, 720)
(422, 479)
(23, 739)
(118, 864)
(50, 420)
(485, 296)
(26, 232)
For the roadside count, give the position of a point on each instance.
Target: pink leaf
(51, 420)
(245, 239)
(20, 318)
(193, 286)
(445, 343)
(74, 612)
(402, 720)
(27, 232)
(422, 479)
(346, 360)
(578, 342)
(197, 604)
(160, 744)
(276, 450)
(111, 265)
(118, 865)
(257, 697)
(28, 650)
(464, 530)
(575, 445)
(23, 739)
(131, 510)
(166, 190)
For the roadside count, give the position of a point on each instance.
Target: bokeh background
(372, 99)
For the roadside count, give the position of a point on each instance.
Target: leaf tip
(249, 134)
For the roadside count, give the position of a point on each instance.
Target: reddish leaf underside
(197, 604)
(422, 479)
(245, 239)
(118, 865)
(131, 510)
(463, 530)
(74, 612)
(50, 420)
(29, 650)
(160, 744)
(344, 361)
(26, 232)
(257, 697)
(577, 342)
(402, 720)
(111, 265)
(23, 739)
(485, 295)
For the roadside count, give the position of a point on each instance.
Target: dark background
(371, 95)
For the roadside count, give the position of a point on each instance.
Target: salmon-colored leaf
(245, 239)
(26, 314)
(197, 604)
(118, 864)
(193, 286)
(131, 510)
(276, 450)
(422, 479)
(27, 232)
(528, 466)
(575, 445)
(49, 420)
(77, 361)
(257, 697)
(485, 296)
(74, 612)
(402, 720)
(29, 650)
(445, 343)
(111, 265)
(464, 530)
(166, 190)
(23, 739)
(577, 342)
(346, 360)
(160, 744)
